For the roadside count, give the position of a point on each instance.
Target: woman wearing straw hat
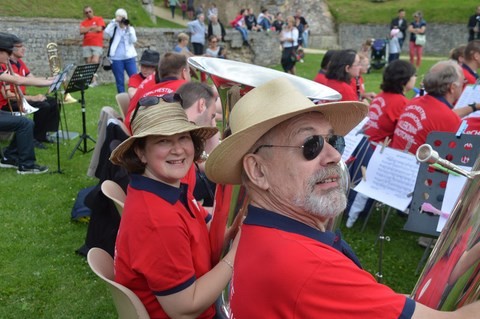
(162, 249)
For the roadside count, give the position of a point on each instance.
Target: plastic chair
(123, 100)
(127, 303)
(113, 191)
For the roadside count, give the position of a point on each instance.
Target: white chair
(123, 100)
(113, 191)
(127, 303)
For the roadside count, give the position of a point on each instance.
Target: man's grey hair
(438, 80)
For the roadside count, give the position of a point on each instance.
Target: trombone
(23, 106)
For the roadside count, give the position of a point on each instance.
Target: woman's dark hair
(338, 62)
(134, 165)
(396, 75)
(326, 59)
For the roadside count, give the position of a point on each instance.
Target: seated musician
(20, 153)
(162, 249)
(287, 264)
(47, 117)
(148, 66)
(173, 71)
(343, 66)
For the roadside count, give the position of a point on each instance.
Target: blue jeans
(265, 24)
(21, 147)
(243, 32)
(118, 68)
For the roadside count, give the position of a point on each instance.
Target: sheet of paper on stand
(352, 139)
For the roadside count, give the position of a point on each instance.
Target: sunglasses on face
(313, 145)
(148, 101)
(87, 12)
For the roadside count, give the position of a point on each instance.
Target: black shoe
(8, 163)
(39, 145)
(32, 169)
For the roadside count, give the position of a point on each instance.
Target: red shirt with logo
(94, 39)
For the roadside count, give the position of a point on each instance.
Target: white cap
(121, 13)
(394, 32)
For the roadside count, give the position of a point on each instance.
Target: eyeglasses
(148, 101)
(313, 145)
(87, 12)
(213, 41)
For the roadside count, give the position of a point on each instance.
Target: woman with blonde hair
(289, 41)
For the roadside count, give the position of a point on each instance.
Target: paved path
(165, 14)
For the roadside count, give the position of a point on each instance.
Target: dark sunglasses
(87, 12)
(313, 145)
(154, 100)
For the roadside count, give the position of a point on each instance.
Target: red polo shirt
(94, 39)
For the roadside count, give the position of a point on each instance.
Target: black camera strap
(111, 40)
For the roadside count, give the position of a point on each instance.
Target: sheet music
(390, 177)
(59, 78)
(352, 139)
(471, 94)
(452, 192)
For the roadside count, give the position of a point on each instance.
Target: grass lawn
(42, 277)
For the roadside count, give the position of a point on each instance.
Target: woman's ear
(140, 154)
(255, 170)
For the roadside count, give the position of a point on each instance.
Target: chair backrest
(127, 303)
(123, 99)
(113, 191)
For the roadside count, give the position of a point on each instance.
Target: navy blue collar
(444, 101)
(265, 218)
(168, 78)
(469, 70)
(169, 193)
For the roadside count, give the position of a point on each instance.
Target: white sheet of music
(452, 192)
(390, 177)
(471, 94)
(352, 139)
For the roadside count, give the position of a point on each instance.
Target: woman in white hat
(162, 249)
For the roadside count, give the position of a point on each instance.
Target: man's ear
(255, 171)
(201, 105)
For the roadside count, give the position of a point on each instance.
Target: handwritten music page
(390, 177)
(452, 192)
(471, 94)
(352, 139)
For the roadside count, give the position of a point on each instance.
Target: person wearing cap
(47, 117)
(394, 47)
(173, 72)
(285, 150)
(162, 248)
(400, 23)
(122, 49)
(92, 30)
(20, 153)
(148, 66)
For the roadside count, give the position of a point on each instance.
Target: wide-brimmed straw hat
(263, 108)
(164, 119)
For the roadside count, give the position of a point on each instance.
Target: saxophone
(55, 65)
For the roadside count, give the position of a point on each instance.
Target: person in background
(265, 19)
(239, 24)
(417, 26)
(474, 26)
(320, 77)
(251, 21)
(173, 5)
(401, 23)
(190, 9)
(212, 10)
(183, 7)
(216, 28)
(47, 118)
(122, 50)
(92, 30)
(394, 47)
(471, 62)
(214, 50)
(162, 250)
(278, 22)
(458, 54)
(20, 153)
(182, 45)
(358, 83)
(302, 27)
(198, 32)
(344, 65)
(289, 42)
(148, 65)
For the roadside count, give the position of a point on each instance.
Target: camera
(125, 21)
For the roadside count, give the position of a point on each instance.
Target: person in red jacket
(344, 65)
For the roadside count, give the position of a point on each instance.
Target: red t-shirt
(150, 88)
(473, 126)
(421, 116)
(135, 80)
(383, 115)
(94, 39)
(345, 89)
(320, 78)
(19, 68)
(161, 247)
(286, 269)
(470, 75)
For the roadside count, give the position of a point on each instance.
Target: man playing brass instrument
(20, 154)
(47, 118)
(285, 150)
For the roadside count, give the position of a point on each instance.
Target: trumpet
(23, 107)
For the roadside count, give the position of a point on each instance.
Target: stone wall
(37, 33)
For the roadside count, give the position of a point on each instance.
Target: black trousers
(46, 119)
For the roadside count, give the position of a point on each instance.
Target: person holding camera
(122, 49)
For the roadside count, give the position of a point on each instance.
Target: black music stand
(57, 83)
(81, 78)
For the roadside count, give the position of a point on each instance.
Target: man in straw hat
(285, 151)
(162, 250)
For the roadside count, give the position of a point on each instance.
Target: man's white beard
(328, 204)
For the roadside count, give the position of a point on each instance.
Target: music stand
(81, 78)
(54, 87)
